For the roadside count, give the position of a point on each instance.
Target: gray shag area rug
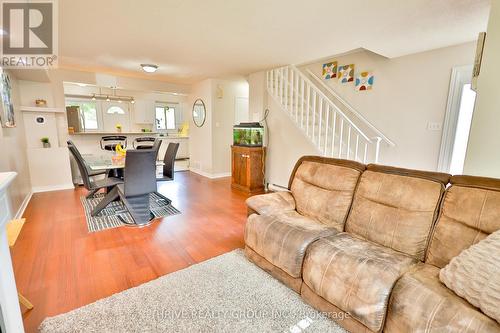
(116, 215)
(224, 294)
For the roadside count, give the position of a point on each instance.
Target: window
(88, 114)
(165, 117)
(115, 110)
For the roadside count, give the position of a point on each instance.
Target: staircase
(321, 120)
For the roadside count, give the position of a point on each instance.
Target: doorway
(457, 121)
(241, 110)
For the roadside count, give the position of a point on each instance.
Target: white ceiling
(195, 39)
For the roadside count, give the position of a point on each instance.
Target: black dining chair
(91, 184)
(146, 142)
(156, 147)
(109, 142)
(89, 170)
(169, 162)
(139, 183)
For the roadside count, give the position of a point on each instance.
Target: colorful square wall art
(329, 70)
(364, 81)
(346, 73)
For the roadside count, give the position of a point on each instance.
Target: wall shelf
(41, 109)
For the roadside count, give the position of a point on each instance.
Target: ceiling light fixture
(149, 68)
(99, 96)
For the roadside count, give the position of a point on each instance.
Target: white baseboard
(38, 189)
(24, 204)
(210, 175)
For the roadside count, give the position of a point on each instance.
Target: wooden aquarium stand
(248, 168)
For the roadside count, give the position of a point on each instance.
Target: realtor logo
(29, 34)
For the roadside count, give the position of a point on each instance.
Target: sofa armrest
(271, 203)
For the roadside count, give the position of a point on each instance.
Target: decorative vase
(46, 144)
(119, 130)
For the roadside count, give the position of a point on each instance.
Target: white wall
(286, 144)
(483, 151)
(210, 145)
(257, 101)
(13, 154)
(223, 121)
(200, 138)
(49, 167)
(409, 92)
(284, 141)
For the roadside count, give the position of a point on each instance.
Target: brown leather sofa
(366, 243)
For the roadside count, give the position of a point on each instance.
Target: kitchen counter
(159, 135)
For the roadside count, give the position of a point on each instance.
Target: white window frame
(175, 106)
(108, 107)
(98, 107)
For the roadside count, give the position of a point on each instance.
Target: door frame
(460, 75)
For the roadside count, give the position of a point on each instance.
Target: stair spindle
(313, 114)
(302, 104)
(341, 137)
(334, 129)
(320, 120)
(308, 108)
(348, 152)
(327, 123)
(297, 98)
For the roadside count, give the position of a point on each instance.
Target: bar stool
(144, 142)
(109, 142)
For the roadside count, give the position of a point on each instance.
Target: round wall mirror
(199, 112)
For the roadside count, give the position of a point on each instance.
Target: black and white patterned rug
(116, 215)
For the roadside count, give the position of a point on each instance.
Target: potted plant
(118, 128)
(45, 142)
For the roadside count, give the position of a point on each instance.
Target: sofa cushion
(470, 212)
(283, 239)
(355, 275)
(421, 303)
(397, 208)
(323, 188)
(474, 275)
(271, 203)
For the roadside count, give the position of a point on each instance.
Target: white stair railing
(348, 106)
(323, 122)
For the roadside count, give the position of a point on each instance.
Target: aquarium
(248, 135)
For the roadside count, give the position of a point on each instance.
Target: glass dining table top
(106, 161)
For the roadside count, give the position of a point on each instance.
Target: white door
(114, 113)
(241, 110)
(457, 121)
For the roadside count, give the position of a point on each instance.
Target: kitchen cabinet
(183, 151)
(247, 172)
(144, 112)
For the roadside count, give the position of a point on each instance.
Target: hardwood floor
(59, 266)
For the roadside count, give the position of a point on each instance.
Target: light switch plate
(432, 126)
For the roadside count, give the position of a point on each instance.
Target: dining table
(107, 161)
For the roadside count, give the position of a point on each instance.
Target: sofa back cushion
(397, 207)
(470, 212)
(323, 188)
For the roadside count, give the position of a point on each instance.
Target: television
(248, 135)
